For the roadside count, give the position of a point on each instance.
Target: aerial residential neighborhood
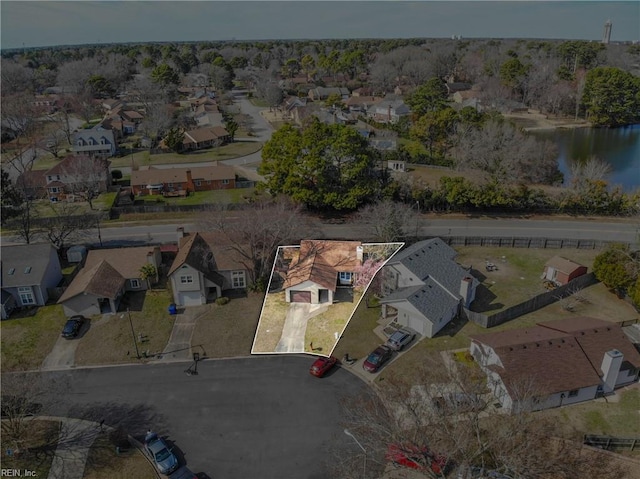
(300, 239)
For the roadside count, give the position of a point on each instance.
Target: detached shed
(561, 270)
(76, 254)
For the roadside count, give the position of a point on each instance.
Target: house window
(345, 277)
(54, 189)
(53, 199)
(170, 185)
(135, 283)
(198, 182)
(102, 142)
(208, 182)
(26, 295)
(573, 393)
(238, 280)
(58, 177)
(79, 142)
(225, 182)
(186, 279)
(49, 178)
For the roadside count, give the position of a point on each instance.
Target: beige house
(206, 265)
(107, 274)
(320, 267)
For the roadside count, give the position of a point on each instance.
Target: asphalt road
(252, 418)
(624, 231)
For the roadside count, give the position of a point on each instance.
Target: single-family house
(95, 142)
(46, 103)
(322, 93)
(205, 137)
(163, 181)
(205, 266)
(107, 274)
(425, 288)
(388, 111)
(320, 267)
(28, 271)
(561, 270)
(556, 363)
(361, 103)
(76, 174)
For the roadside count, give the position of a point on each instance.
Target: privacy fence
(533, 304)
(512, 242)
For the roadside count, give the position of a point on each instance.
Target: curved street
(248, 418)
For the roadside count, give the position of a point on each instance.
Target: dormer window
(80, 142)
(102, 141)
(12, 271)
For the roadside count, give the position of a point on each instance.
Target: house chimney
(465, 290)
(180, 231)
(359, 253)
(610, 368)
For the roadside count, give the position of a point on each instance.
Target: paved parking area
(253, 418)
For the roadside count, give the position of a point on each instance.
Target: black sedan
(72, 327)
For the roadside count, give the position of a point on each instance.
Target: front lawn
(227, 331)
(272, 319)
(358, 339)
(226, 152)
(109, 339)
(29, 336)
(322, 329)
(36, 452)
(104, 462)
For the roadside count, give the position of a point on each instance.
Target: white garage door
(191, 298)
(416, 324)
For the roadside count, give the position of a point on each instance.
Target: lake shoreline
(533, 120)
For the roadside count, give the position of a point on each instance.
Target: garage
(300, 296)
(190, 298)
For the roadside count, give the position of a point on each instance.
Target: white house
(556, 363)
(425, 288)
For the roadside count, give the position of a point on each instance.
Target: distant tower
(606, 38)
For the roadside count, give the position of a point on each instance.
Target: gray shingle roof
(432, 261)
(33, 258)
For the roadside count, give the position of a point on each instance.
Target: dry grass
(430, 175)
(518, 276)
(29, 336)
(109, 339)
(271, 323)
(228, 330)
(323, 328)
(358, 339)
(40, 442)
(104, 463)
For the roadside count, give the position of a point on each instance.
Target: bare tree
(440, 418)
(86, 177)
(156, 121)
(256, 233)
(65, 223)
(388, 221)
(27, 186)
(25, 395)
(593, 169)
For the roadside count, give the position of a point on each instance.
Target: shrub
(222, 301)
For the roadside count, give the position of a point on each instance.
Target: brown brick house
(164, 181)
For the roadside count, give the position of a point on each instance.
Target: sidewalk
(75, 440)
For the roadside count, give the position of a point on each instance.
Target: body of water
(619, 147)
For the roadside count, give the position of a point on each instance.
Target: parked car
(322, 365)
(377, 358)
(414, 457)
(398, 340)
(161, 455)
(72, 327)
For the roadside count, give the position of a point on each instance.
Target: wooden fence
(611, 443)
(512, 242)
(533, 304)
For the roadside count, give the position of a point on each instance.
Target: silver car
(398, 340)
(162, 457)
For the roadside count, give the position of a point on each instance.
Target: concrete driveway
(179, 346)
(295, 326)
(253, 418)
(62, 356)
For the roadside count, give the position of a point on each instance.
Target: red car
(322, 365)
(417, 458)
(377, 358)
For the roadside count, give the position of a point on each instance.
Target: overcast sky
(46, 23)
